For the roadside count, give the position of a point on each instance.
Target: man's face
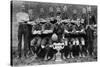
(65, 8)
(30, 11)
(58, 18)
(51, 9)
(84, 10)
(74, 11)
(58, 9)
(22, 9)
(78, 24)
(41, 10)
(37, 20)
(82, 39)
(90, 14)
(69, 24)
(48, 20)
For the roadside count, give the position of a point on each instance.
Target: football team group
(73, 34)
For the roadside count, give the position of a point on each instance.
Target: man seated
(89, 39)
(59, 29)
(51, 53)
(35, 43)
(72, 47)
(64, 13)
(83, 47)
(80, 28)
(47, 30)
(68, 28)
(75, 47)
(65, 52)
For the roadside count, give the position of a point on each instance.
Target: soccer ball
(54, 37)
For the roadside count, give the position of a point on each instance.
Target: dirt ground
(32, 61)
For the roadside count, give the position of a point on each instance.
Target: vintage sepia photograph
(44, 33)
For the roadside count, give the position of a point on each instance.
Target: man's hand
(34, 32)
(82, 31)
(47, 31)
(50, 31)
(66, 31)
(37, 32)
(32, 22)
(66, 20)
(77, 31)
(42, 46)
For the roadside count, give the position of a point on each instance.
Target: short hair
(51, 9)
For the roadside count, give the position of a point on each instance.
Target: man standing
(90, 31)
(91, 17)
(22, 19)
(74, 16)
(84, 17)
(42, 13)
(47, 32)
(59, 29)
(51, 12)
(58, 11)
(30, 12)
(36, 42)
(89, 39)
(66, 50)
(64, 13)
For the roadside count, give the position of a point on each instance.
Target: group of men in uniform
(40, 34)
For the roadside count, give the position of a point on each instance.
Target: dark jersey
(79, 28)
(84, 20)
(42, 15)
(59, 28)
(31, 17)
(47, 26)
(51, 14)
(92, 20)
(38, 27)
(89, 33)
(58, 13)
(74, 17)
(53, 21)
(68, 28)
(64, 15)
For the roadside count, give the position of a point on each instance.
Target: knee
(32, 42)
(43, 42)
(39, 41)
